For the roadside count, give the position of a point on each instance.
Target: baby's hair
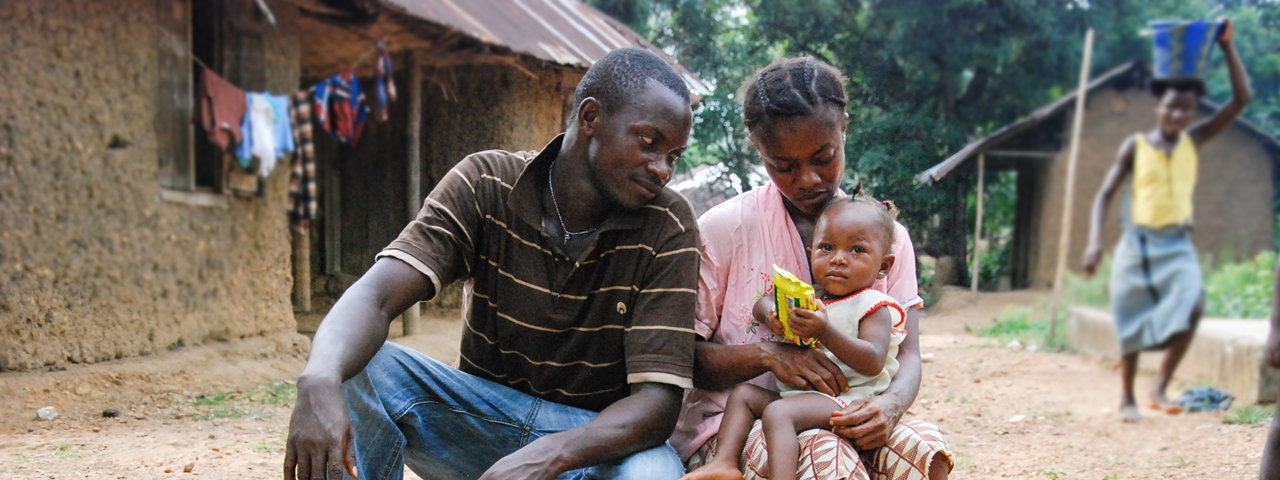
(791, 87)
(886, 210)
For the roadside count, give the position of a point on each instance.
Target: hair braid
(803, 86)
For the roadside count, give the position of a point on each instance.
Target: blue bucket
(1182, 48)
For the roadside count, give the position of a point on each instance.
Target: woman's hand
(1228, 28)
(867, 422)
(804, 367)
(810, 323)
(1092, 257)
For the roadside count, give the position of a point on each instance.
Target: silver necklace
(556, 204)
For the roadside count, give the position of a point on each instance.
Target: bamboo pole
(1064, 233)
(977, 227)
(411, 320)
(301, 270)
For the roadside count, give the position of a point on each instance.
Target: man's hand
(533, 462)
(804, 367)
(320, 444)
(809, 323)
(1092, 257)
(867, 422)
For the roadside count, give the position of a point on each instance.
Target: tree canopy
(927, 76)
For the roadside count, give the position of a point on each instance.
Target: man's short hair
(624, 72)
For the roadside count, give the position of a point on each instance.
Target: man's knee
(658, 463)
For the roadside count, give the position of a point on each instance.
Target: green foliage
(1241, 290)
(1248, 416)
(927, 76)
(1052, 474)
(1090, 291)
(1015, 323)
(999, 205)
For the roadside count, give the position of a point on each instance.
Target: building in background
(1234, 198)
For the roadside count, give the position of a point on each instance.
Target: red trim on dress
(902, 318)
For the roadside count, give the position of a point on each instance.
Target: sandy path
(972, 388)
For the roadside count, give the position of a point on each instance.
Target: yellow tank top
(1163, 184)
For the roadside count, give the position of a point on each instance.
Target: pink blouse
(741, 240)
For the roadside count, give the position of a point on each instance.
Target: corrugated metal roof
(567, 32)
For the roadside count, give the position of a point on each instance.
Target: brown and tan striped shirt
(572, 331)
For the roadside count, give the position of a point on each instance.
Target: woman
(794, 110)
(1157, 292)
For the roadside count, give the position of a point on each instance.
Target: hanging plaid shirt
(302, 176)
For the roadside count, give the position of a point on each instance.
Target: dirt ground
(223, 411)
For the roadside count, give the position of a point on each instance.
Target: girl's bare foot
(1157, 401)
(714, 471)
(1129, 414)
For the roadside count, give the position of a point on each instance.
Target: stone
(110, 413)
(188, 467)
(1017, 418)
(47, 413)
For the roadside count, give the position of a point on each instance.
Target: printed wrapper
(791, 292)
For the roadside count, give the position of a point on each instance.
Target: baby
(856, 327)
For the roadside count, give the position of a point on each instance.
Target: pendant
(566, 238)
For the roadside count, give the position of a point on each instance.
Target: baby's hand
(809, 323)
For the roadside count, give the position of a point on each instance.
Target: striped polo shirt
(575, 331)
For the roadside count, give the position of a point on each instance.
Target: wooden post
(412, 320)
(301, 271)
(977, 228)
(1064, 232)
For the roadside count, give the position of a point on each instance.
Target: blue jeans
(407, 408)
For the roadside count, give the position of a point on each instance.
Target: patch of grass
(216, 400)
(66, 452)
(1052, 474)
(1241, 290)
(1015, 323)
(263, 447)
(1248, 416)
(1111, 477)
(229, 412)
(275, 393)
(21, 458)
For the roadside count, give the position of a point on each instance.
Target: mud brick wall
(1232, 203)
(94, 264)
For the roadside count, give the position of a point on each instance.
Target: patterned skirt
(827, 456)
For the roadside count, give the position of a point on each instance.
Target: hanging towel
(282, 132)
(262, 124)
(244, 149)
(219, 107)
(302, 175)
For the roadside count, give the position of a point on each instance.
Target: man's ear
(886, 264)
(588, 114)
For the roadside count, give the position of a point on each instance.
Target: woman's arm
(718, 367)
(1102, 203)
(1241, 93)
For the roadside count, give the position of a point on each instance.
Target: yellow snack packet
(791, 292)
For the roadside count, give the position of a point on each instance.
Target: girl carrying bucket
(1157, 292)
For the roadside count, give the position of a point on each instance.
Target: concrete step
(1225, 354)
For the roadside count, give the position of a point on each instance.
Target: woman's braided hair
(791, 87)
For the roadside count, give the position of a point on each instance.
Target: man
(581, 271)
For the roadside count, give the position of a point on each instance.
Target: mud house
(124, 233)
(1234, 198)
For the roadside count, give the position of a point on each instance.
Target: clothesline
(353, 64)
